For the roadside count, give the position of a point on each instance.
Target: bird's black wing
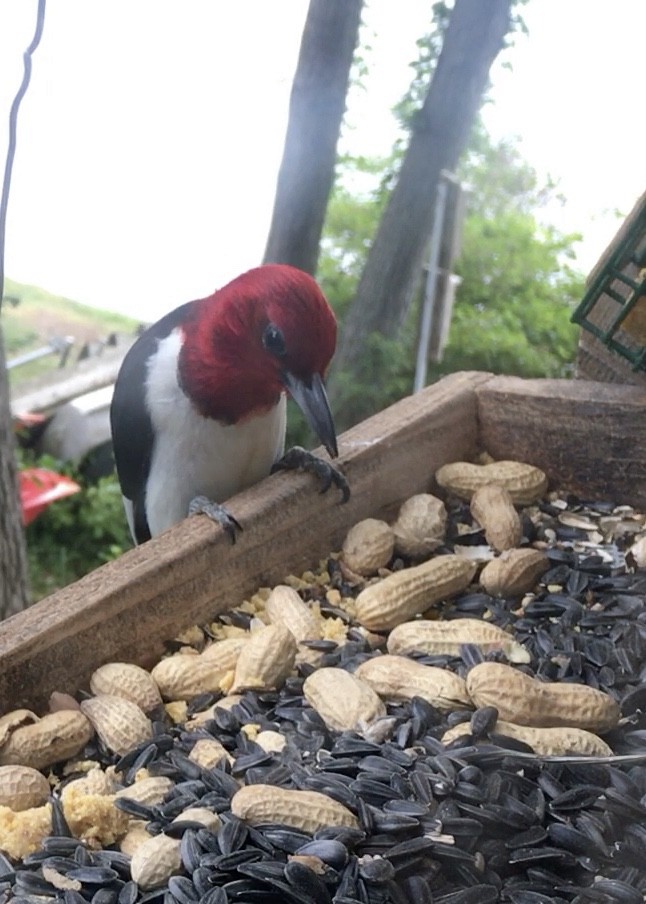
(132, 429)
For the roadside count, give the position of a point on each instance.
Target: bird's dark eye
(274, 341)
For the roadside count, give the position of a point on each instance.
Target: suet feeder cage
(614, 306)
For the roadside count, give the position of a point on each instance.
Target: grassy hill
(31, 317)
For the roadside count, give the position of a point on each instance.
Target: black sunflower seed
(219, 780)
(190, 850)
(202, 879)
(462, 827)
(477, 894)
(619, 891)
(60, 845)
(7, 871)
(330, 851)
(217, 895)
(134, 808)
(530, 838)
(71, 896)
(569, 838)
(104, 896)
(376, 870)
(483, 721)
(406, 851)
(542, 854)
(177, 828)
(93, 875)
(417, 889)
(406, 807)
(232, 861)
(31, 883)
(347, 835)
(394, 823)
(129, 893)
(183, 890)
(287, 840)
(576, 799)
(232, 835)
(307, 884)
(155, 896)
(527, 896)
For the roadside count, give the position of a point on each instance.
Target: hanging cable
(13, 122)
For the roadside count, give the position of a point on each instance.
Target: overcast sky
(151, 134)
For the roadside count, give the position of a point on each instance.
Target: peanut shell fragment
(57, 736)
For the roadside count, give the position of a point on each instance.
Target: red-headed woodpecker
(199, 409)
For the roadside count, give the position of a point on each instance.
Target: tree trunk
(473, 39)
(316, 109)
(13, 555)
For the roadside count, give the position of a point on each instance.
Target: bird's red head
(267, 331)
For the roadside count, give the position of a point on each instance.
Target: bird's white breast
(197, 456)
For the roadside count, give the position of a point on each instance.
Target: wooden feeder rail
(590, 438)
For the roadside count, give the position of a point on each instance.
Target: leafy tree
(439, 131)
(513, 307)
(316, 109)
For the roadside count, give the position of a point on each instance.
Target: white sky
(150, 138)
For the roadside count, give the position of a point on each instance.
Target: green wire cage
(613, 308)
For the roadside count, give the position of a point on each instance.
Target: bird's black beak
(312, 400)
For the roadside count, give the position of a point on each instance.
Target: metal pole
(421, 365)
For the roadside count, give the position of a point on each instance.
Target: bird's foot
(216, 512)
(297, 458)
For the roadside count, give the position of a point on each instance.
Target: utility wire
(13, 122)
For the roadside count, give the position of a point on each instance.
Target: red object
(27, 420)
(39, 487)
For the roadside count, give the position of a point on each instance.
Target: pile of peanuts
(397, 611)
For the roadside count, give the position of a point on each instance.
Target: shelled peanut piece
(302, 711)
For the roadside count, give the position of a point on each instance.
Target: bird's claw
(298, 458)
(216, 512)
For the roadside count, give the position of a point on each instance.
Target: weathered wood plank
(589, 437)
(126, 609)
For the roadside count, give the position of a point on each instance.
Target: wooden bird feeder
(612, 313)
(590, 438)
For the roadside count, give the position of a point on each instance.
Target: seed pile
(452, 710)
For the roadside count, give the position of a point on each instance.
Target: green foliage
(77, 534)
(39, 315)
(512, 310)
